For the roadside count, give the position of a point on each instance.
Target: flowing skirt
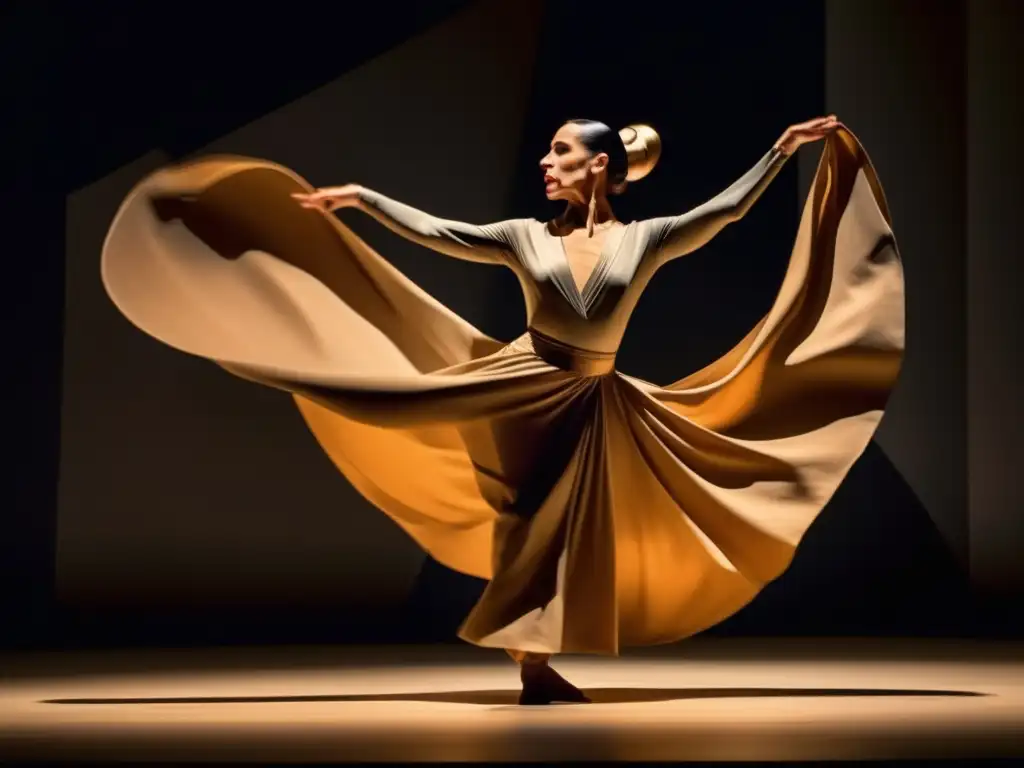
(605, 511)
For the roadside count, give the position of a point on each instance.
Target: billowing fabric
(604, 510)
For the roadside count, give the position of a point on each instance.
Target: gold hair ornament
(643, 150)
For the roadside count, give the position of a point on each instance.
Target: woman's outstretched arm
(488, 243)
(674, 236)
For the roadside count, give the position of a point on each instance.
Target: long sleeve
(488, 243)
(674, 236)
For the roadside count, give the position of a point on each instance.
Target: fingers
(829, 126)
(315, 201)
(307, 202)
(318, 195)
(819, 127)
(820, 123)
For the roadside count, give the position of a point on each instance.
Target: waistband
(569, 358)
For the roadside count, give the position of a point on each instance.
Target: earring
(592, 211)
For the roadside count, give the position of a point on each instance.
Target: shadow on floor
(505, 697)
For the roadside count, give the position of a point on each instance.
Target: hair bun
(643, 150)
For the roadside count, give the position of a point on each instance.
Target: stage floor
(704, 700)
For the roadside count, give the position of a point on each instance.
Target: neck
(575, 214)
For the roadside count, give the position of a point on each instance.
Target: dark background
(158, 500)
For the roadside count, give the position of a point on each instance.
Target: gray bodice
(592, 319)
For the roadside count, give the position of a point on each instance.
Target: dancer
(605, 511)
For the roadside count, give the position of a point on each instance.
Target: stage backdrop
(183, 489)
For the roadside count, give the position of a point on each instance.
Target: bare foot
(542, 685)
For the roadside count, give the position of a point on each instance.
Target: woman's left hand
(804, 133)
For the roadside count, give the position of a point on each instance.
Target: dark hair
(598, 137)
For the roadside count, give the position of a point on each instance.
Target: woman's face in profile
(566, 166)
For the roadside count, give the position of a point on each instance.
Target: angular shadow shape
(873, 563)
(510, 697)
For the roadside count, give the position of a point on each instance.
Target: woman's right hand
(330, 198)
(803, 133)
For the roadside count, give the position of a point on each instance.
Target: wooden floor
(705, 700)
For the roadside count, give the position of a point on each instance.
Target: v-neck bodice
(575, 246)
(582, 298)
(592, 317)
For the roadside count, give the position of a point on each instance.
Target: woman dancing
(603, 510)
